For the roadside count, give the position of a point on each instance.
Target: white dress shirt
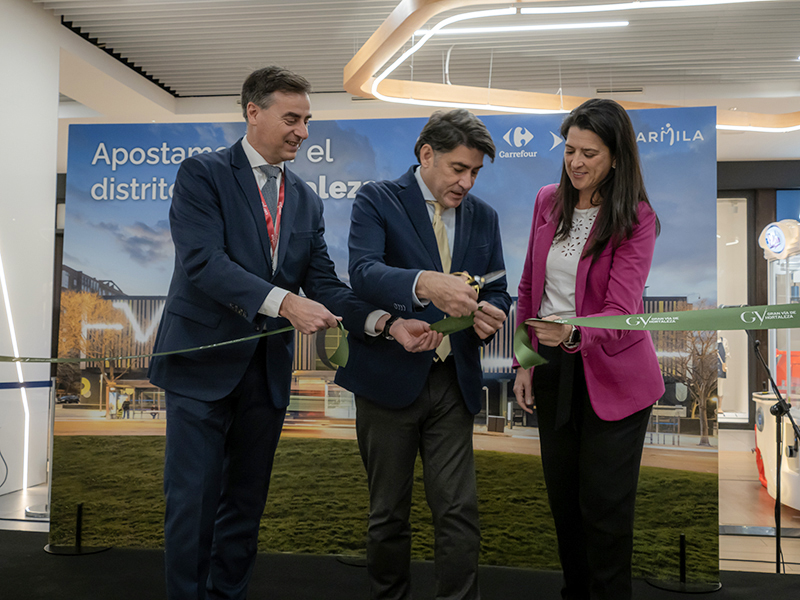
(272, 303)
(448, 217)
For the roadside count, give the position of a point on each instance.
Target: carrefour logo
(518, 137)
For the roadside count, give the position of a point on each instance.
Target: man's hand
(448, 293)
(415, 335)
(306, 315)
(523, 390)
(488, 319)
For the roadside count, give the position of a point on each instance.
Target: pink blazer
(622, 371)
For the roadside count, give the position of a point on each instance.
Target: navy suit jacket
(391, 240)
(223, 273)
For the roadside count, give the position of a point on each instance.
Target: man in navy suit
(425, 402)
(248, 235)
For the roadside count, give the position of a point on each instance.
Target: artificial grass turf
(318, 505)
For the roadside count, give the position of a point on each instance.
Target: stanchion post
(682, 558)
(682, 586)
(78, 549)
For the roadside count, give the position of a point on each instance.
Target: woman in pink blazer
(589, 254)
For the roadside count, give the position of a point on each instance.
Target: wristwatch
(387, 326)
(574, 338)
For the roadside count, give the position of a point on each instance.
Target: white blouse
(562, 266)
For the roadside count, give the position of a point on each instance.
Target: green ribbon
(779, 316)
(523, 349)
(342, 353)
(526, 356)
(453, 324)
(339, 357)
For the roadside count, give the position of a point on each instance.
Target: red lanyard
(273, 230)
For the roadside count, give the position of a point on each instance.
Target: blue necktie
(269, 190)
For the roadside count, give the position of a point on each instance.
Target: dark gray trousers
(439, 427)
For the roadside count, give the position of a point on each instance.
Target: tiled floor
(745, 502)
(13, 510)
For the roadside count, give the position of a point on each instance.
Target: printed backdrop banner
(119, 185)
(120, 179)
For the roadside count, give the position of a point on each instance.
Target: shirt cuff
(370, 324)
(272, 303)
(417, 302)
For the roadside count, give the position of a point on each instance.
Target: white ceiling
(736, 56)
(206, 47)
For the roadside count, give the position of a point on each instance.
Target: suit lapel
(461, 241)
(290, 199)
(543, 239)
(243, 173)
(414, 204)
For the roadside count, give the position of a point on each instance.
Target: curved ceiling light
(439, 29)
(409, 15)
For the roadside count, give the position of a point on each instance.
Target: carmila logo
(669, 135)
(518, 136)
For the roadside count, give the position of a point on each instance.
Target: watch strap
(387, 326)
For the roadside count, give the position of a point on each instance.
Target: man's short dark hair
(260, 85)
(446, 131)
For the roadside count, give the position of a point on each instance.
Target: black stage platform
(27, 572)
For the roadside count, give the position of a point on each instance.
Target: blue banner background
(127, 240)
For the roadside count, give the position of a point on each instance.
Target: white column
(29, 67)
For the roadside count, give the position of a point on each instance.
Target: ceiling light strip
(437, 29)
(25, 408)
(756, 129)
(433, 31)
(561, 10)
(515, 28)
(468, 105)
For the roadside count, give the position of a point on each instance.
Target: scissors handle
(472, 281)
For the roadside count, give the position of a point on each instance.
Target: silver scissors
(478, 282)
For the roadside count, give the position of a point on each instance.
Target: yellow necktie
(440, 231)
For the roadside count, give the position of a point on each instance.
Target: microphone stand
(778, 410)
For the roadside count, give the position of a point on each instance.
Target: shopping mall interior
(713, 87)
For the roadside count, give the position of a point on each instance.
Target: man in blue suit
(403, 234)
(248, 235)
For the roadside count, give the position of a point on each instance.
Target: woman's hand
(551, 334)
(523, 390)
